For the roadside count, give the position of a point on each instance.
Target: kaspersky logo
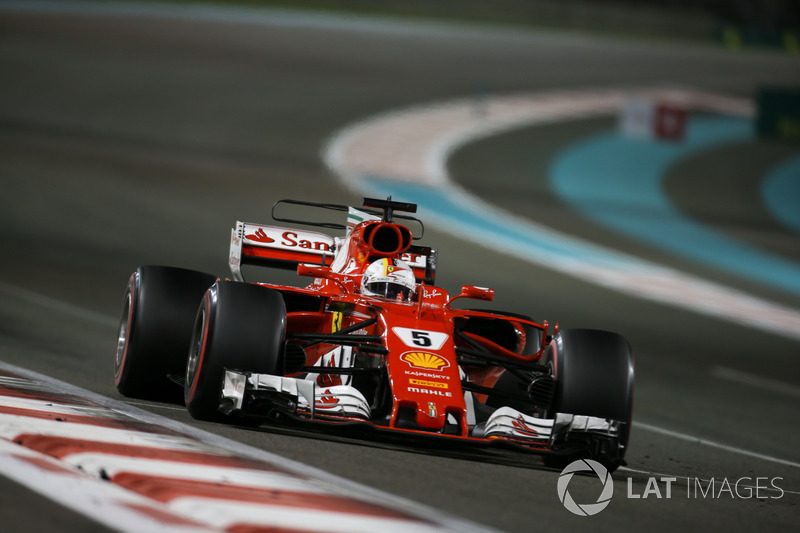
(585, 509)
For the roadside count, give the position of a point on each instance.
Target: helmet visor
(394, 291)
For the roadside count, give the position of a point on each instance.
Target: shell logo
(425, 360)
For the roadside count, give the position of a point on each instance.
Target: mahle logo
(586, 509)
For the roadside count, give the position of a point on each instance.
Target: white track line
(746, 378)
(717, 445)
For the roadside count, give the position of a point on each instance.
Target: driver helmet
(389, 278)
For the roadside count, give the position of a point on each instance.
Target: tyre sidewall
(594, 375)
(124, 372)
(239, 326)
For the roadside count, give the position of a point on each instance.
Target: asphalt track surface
(130, 140)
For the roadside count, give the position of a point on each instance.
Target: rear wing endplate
(277, 247)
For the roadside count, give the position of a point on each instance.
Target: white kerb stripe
(98, 499)
(101, 464)
(12, 426)
(229, 513)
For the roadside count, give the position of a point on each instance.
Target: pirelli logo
(432, 384)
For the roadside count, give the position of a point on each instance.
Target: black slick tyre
(594, 375)
(158, 311)
(239, 326)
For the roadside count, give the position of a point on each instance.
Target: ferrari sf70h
(371, 341)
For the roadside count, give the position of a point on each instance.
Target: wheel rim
(122, 335)
(196, 346)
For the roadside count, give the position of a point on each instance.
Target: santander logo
(289, 239)
(260, 236)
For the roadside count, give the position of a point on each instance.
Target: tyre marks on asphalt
(136, 475)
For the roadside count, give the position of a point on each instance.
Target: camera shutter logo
(587, 509)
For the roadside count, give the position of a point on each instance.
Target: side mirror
(313, 271)
(477, 293)
(474, 293)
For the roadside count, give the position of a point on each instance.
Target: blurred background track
(731, 23)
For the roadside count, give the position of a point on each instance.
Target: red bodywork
(424, 371)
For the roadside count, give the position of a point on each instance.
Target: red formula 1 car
(371, 341)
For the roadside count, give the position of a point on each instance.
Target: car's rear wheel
(155, 327)
(594, 376)
(239, 326)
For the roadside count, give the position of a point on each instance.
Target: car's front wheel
(594, 376)
(239, 326)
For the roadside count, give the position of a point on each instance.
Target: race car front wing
(565, 433)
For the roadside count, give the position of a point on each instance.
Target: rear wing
(422, 261)
(277, 247)
(285, 248)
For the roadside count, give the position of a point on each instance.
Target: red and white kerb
(135, 475)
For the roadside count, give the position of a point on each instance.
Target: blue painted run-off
(475, 221)
(781, 193)
(616, 181)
